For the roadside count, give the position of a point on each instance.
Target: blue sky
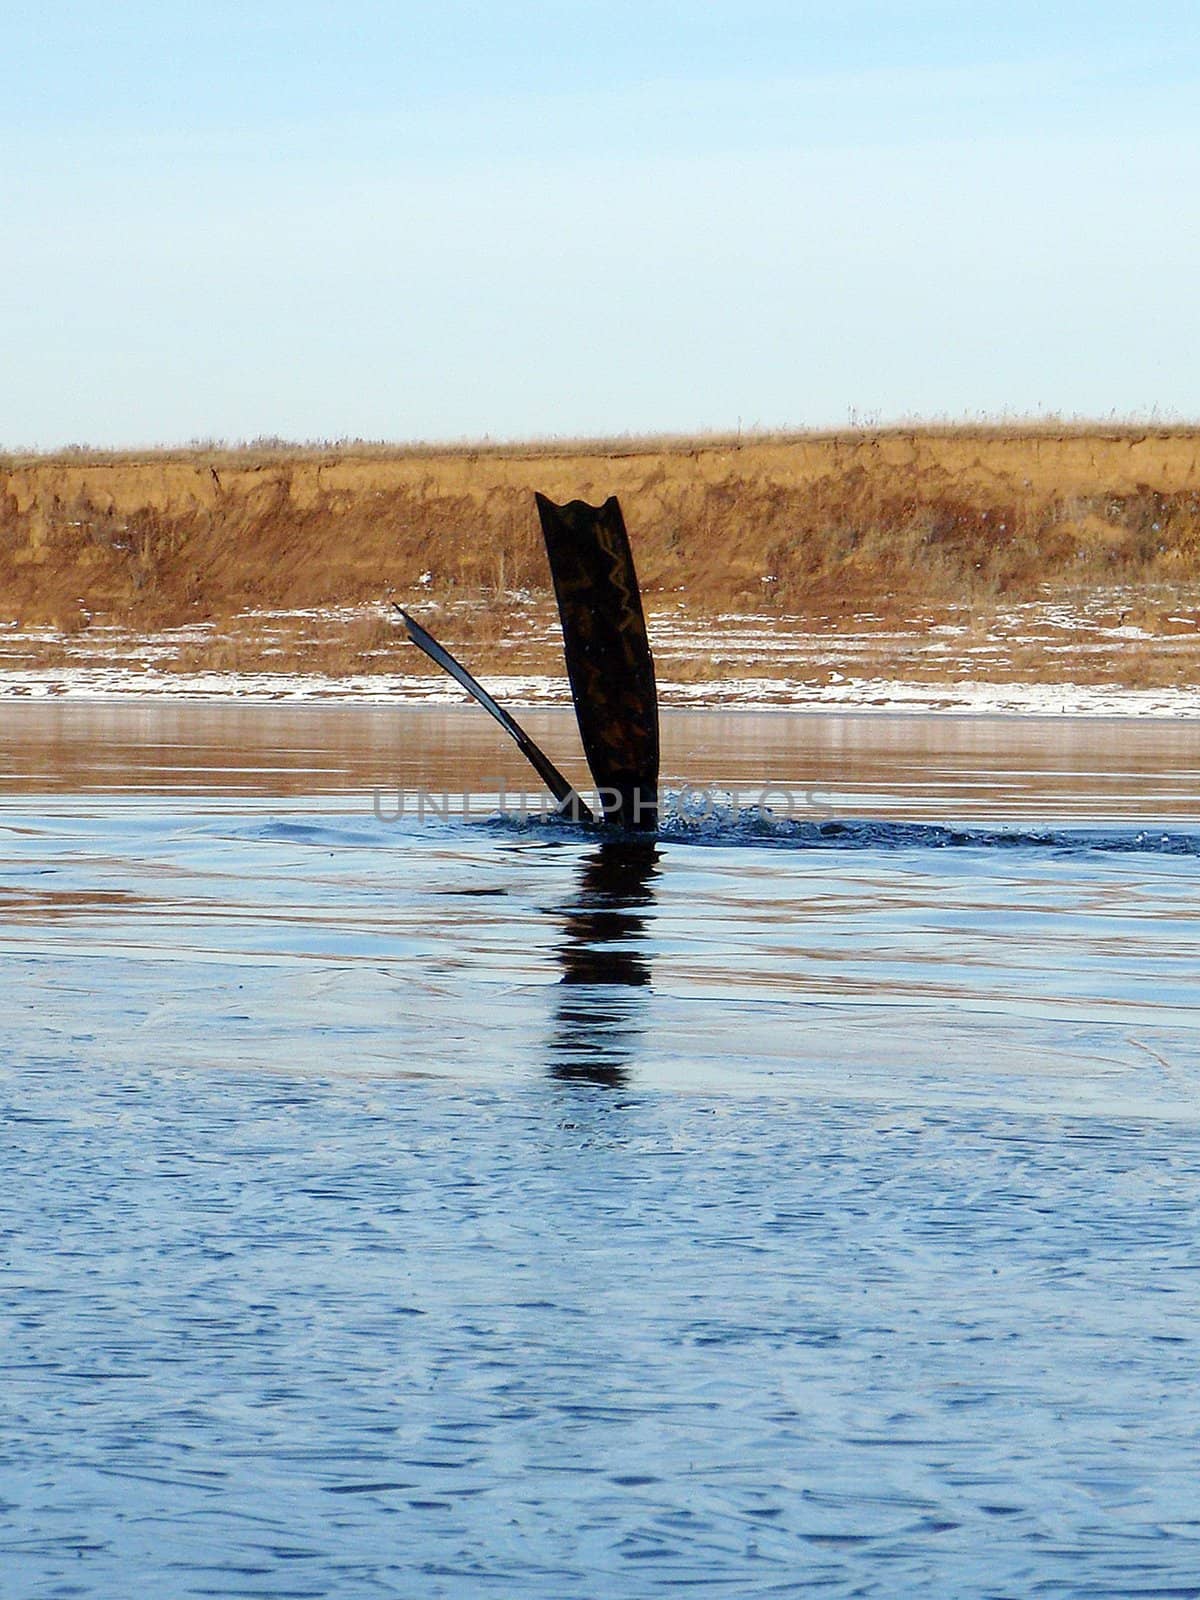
(466, 220)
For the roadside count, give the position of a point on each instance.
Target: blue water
(470, 1210)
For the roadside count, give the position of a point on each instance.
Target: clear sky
(505, 218)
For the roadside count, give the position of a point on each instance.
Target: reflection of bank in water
(597, 1019)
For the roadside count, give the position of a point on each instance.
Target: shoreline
(532, 692)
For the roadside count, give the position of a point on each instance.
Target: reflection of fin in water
(569, 803)
(607, 654)
(596, 1024)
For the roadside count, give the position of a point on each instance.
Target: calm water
(401, 1207)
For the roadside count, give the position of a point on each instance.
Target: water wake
(709, 821)
(716, 823)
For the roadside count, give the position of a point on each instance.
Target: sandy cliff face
(945, 515)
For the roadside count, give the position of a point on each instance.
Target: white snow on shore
(116, 683)
(929, 664)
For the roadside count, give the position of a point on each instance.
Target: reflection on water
(603, 957)
(907, 767)
(41, 905)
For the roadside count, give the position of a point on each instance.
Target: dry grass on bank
(899, 530)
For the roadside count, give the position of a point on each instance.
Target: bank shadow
(604, 960)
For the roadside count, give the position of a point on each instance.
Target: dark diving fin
(569, 803)
(607, 654)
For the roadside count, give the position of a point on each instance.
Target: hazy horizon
(1050, 423)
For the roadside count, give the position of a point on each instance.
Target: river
(409, 1195)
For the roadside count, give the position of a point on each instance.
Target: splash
(711, 819)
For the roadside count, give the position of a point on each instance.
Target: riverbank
(1030, 569)
(808, 525)
(1050, 657)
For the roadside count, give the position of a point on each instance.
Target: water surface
(802, 1201)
